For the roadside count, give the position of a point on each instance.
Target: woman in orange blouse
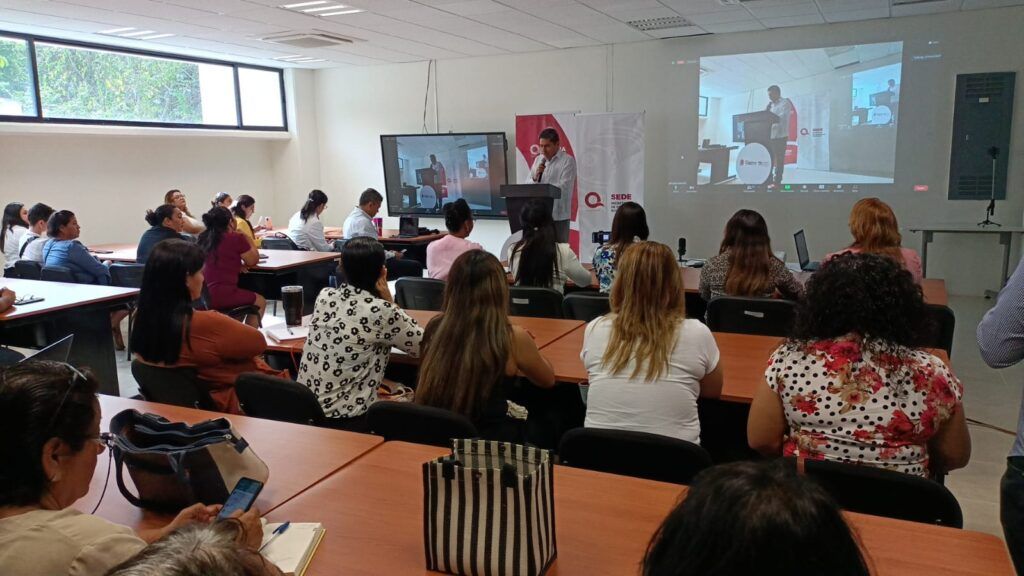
(169, 332)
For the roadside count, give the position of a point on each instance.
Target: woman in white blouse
(15, 225)
(351, 335)
(305, 227)
(538, 259)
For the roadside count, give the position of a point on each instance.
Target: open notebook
(294, 548)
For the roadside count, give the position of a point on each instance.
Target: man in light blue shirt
(359, 222)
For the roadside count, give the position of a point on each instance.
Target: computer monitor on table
(408, 226)
(801, 252)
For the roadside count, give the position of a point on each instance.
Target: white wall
(355, 106)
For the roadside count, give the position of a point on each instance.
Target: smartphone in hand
(241, 498)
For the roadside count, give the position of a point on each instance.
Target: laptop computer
(408, 227)
(56, 352)
(801, 252)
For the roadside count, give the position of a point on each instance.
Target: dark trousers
(1011, 509)
(562, 231)
(778, 151)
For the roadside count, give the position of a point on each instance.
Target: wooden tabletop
(372, 511)
(59, 296)
(276, 261)
(389, 235)
(298, 457)
(124, 253)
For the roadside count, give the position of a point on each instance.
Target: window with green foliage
(96, 84)
(16, 90)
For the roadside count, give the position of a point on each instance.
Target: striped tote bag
(488, 510)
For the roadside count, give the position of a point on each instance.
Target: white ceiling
(417, 30)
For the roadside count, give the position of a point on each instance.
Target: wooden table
(79, 309)
(388, 235)
(276, 261)
(372, 511)
(298, 457)
(121, 253)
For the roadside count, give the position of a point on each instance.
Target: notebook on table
(294, 548)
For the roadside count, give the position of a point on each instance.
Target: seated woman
(351, 334)
(745, 264)
(165, 223)
(192, 225)
(875, 231)
(850, 386)
(64, 249)
(471, 353)
(539, 260)
(243, 209)
(49, 443)
(628, 226)
(222, 199)
(754, 518)
(15, 225)
(305, 228)
(226, 252)
(458, 219)
(648, 364)
(168, 332)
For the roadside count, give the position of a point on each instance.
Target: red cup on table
(379, 223)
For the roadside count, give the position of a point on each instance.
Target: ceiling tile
(741, 26)
(677, 32)
(981, 4)
(787, 21)
(852, 15)
(926, 8)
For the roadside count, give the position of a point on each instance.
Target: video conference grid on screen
(423, 172)
(823, 119)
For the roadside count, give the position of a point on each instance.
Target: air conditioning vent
(312, 39)
(648, 24)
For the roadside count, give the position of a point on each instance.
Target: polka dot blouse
(862, 401)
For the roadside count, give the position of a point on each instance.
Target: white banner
(812, 130)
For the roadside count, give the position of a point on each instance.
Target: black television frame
(476, 215)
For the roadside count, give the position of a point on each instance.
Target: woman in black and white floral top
(351, 335)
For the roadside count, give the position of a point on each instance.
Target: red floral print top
(862, 401)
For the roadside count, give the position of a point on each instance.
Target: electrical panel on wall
(982, 119)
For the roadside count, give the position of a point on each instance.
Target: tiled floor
(991, 396)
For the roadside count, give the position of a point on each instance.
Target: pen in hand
(277, 532)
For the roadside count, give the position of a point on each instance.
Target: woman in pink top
(875, 231)
(441, 253)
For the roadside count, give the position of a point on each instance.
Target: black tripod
(991, 210)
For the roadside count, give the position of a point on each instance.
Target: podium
(754, 127)
(517, 195)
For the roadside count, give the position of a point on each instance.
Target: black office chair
(763, 316)
(276, 243)
(127, 276)
(638, 454)
(419, 293)
(27, 269)
(240, 313)
(339, 244)
(403, 267)
(179, 386)
(265, 396)
(535, 302)
(57, 274)
(696, 307)
(940, 332)
(880, 492)
(585, 306)
(410, 422)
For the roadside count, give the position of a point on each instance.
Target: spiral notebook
(293, 550)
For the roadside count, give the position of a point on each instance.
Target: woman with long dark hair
(166, 222)
(538, 259)
(471, 353)
(226, 252)
(169, 332)
(351, 334)
(458, 219)
(243, 210)
(850, 384)
(628, 226)
(305, 227)
(745, 264)
(222, 199)
(15, 225)
(875, 231)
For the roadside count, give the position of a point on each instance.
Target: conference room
(417, 286)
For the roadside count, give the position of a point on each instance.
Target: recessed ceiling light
(137, 33)
(116, 30)
(313, 60)
(155, 36)
(302, 4)
(289, 58)
(353, 11)
(323, 8)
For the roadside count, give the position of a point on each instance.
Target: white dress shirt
(783, 108)
(308, 235)
(560, 171)
(34, 250)
(359, 224)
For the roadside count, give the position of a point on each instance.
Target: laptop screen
(801, 248)
(408, 226)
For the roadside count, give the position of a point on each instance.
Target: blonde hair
(874, 228)
(466, 348)
(647, 305)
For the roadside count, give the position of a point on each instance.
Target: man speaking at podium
(782, 108)
(554, 166)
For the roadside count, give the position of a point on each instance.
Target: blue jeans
(1011, 509)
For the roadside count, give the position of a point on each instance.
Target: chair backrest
(873, 490)
(585, 305)
(629, 453)
(56, 274)
(339, 244)
(800, 239)
(126, 275)
(696, 307)
(943, 322)
(535, 302)
(179, 386)
(419, 293)
(763, 316)
(28, 269)
(56, 352)
(410, 422)
(265, 396)
(403, 268)
(272, 243)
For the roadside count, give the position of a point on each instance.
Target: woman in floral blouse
(850, 386)
(628, 226)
